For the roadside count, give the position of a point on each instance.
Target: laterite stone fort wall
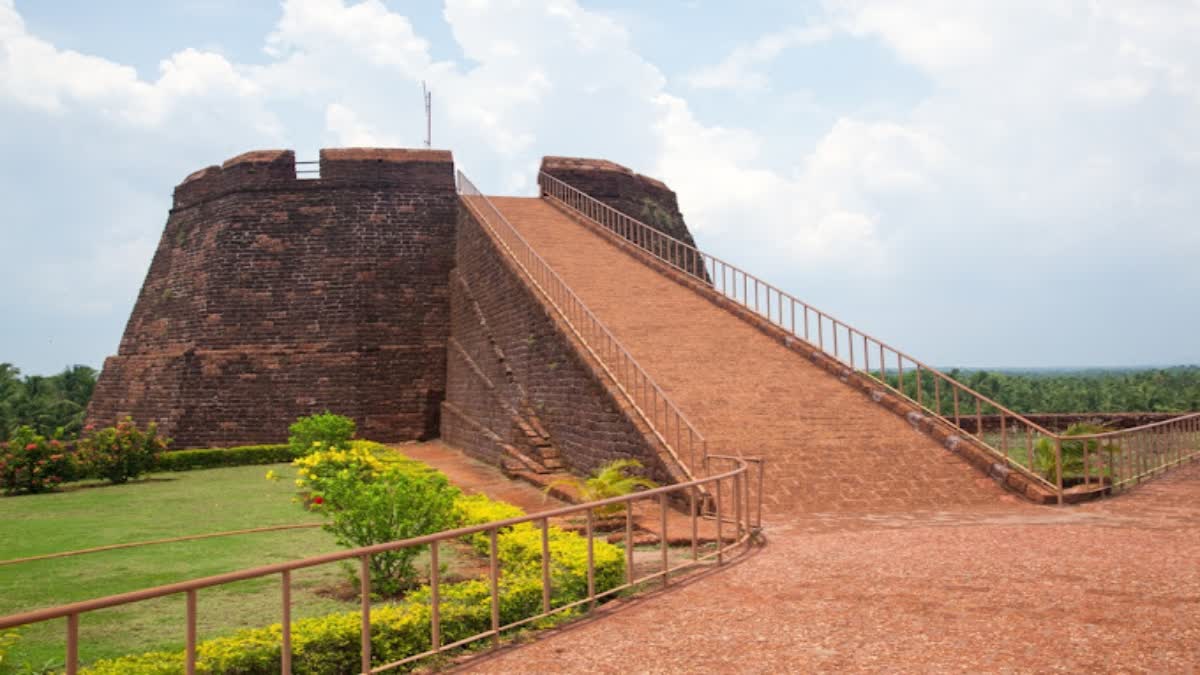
(271, 297)
(509, 357)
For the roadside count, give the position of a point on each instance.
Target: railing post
(666, 564)
(1029, 445)
(692, 506)
(720, 515)
(978, 419)
(72, 663)
(737, 507)
(285, 649)
(1003, 436)
(629, 542)
(937, 394)
(545, 565)
(435, 598)
(494, 584)
(190, 650)
(1058, 471)
(591, 561)
(364, 590)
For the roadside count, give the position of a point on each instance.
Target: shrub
(120, 453)
(31, 463)
(187, 460)
(522, 549)
(373, 495)
(363, 459)
(325, 429)
(610, 480)
(393, 505)
(479, 509)
(1073, 452)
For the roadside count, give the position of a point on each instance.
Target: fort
(546, 333)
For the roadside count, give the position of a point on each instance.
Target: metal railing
(308, 170)
(946, 399)
(738, 512)
(1119, 458)
(665, 419)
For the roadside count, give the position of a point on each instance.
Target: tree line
(56, 404)
(53, 405)
(1161, 390)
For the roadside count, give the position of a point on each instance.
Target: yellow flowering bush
(362, 461)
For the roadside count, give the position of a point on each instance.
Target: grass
(163, 506)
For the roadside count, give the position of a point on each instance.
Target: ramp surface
(828, 447)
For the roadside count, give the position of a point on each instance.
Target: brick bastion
(271, 297)
(371, 292)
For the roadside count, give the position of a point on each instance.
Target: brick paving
(1112, 586)
(828, 447)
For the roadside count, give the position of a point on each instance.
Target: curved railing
(665, 419)
(1021, 443)
(734, 510)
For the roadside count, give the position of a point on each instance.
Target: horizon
(978, 184)
(944, 369)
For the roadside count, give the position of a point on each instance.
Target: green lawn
(166, 505)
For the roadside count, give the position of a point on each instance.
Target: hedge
(187, 460)
(329, 645)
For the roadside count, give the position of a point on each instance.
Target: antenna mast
(428, 96)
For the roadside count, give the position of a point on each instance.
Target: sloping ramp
(828, 448)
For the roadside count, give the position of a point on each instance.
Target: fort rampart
(271, 297)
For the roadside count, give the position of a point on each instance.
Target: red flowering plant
(123, 452)
(31, 463)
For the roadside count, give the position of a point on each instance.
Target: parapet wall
(510, 357)
(271, 297)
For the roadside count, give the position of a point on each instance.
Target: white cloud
(822, 213)
(741, 69)
(351, 131)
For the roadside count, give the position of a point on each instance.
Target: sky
(986, 184)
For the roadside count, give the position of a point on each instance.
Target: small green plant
(322, 430)
(121, 453)
(1074, 452)
(610, 480)
(29, 462)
